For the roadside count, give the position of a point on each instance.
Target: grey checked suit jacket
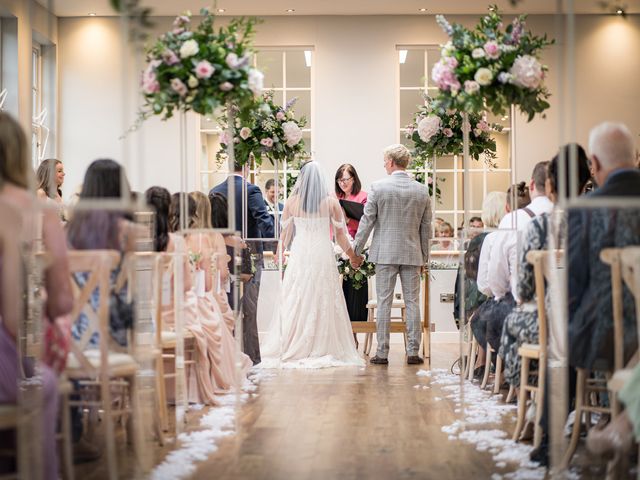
(398, 210)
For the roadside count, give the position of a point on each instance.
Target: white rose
(292, 133)
(483, 76)
(189, 49)
(477, 53)
(428, 127)
(192, 82)
(256, 79)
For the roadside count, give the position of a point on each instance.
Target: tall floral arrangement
(437, 131)
(201, 68)
(492, 67)
(265, 130)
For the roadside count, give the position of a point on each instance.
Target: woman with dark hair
(518, 196)
(348, 187)
(95, 229)
(16, 197)
(50, 177)
(159, 199)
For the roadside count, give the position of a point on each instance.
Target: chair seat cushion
(396, 304)
(115, 360)
(529, 350)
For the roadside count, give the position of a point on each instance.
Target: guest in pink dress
(348, 187)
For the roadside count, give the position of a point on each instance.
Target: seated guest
(444, 230)
(518, 196)
(502, 277)
(94, 229)
(493, 209)
(15, 178)
(521, 326)
(591, 229)
(50, 175)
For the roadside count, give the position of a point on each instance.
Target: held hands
(356, 260)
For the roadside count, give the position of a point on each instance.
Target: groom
(399, 213)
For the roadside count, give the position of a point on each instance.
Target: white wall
(355, 89)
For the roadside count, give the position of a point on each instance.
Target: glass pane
(502, 150)
(306, 136)
(409, 102)
(498, 181)
(278, 98)
(444, 163)
(298, 74)
(270, 63)
(445, 183)
(433, 55)
(476, 190)
(302, 107)
(208, 123)
(412, 70)
(406, 141)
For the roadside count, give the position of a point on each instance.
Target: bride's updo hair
(311, 187)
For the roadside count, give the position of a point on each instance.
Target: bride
(310, 327)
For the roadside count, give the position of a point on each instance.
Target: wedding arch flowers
(201, 68)
(266, 130)
(491, 67)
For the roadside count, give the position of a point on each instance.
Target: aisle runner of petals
(482, 411)
(217, 424)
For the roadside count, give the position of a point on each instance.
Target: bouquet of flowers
(437, 131)
(491, 67)
(358, 276)
(265, 130)
(200, 69)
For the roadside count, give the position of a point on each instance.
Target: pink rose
(169, 57)
(181, 20)
(177, 31)
(429, 180)
(204, 69)
(267, 142)
(179, 87)
(280, 116)
(492, 49)
(483, 125)
(477, 132)
(443, 74)
(448, 132)
(226, 86)
(471, 87)
(245, 132)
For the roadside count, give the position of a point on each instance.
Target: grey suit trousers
(386, 276)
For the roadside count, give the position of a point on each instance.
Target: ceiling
(79, 8)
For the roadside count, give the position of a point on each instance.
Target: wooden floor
(344, 423)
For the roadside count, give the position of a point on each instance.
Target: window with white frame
(36, 101)
(288, 73)
(414, 70)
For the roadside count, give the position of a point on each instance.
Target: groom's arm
(425, 231)
(367, 222)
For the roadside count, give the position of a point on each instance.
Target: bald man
(590, 229)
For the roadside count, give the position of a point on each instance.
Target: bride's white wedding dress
(310, 327)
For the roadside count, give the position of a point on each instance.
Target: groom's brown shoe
(379, 361)
(414, 360)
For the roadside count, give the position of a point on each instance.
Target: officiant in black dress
(349, 188)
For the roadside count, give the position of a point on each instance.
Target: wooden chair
(540, 260)
(587, 388)
(172, 345)
(629, 259)
(99, 370)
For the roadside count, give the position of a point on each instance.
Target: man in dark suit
(590, 230)
(259, 225)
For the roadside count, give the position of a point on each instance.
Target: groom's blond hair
(398, 154)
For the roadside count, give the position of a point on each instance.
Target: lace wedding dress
(310, 327)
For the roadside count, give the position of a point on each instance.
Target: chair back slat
(630, 264)
(162, 279)
(97, 265)
(611, 256)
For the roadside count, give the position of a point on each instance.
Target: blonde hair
(612, 143)
(493, 209)
(398, 154)
(14, 162)
(203, 210)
